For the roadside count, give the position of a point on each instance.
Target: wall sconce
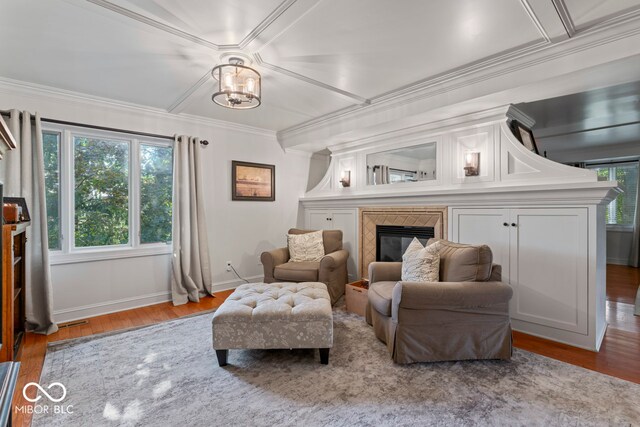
(471, 163)
(345, 178)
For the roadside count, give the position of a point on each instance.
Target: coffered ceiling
(320, 59)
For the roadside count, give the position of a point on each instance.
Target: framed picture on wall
(524, 135)
(253, 181)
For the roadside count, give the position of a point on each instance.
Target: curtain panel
(24, 177)
(191, 269)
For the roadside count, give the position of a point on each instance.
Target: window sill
(620, 228)
(58, 258)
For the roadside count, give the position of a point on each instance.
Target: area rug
(636, 310)
(167, 375)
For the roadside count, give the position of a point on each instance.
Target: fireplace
(393, 240)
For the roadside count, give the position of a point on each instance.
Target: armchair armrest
(271, 259)
(334, 260)
(385, 271)
(435, 295)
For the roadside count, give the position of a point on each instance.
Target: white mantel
(544, 221)
(511, 172)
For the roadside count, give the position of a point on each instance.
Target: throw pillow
(420, 264)
(305, 247)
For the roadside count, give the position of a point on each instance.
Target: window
(108, 194)
(621, 211)
(51, 149)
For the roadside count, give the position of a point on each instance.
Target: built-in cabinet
(13, 288)
(338, 219)
(544, 257)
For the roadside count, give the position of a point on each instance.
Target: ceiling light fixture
(238, 86)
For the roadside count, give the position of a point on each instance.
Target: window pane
(51, 149)
(101, 192)
(156, 186)
(627, 177)
(621, 210)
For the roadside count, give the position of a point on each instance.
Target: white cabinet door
(338, 219)
(548, 268)
(318, 220)
(484, 227)
(345, 220)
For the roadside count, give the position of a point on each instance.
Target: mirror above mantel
(406, 164)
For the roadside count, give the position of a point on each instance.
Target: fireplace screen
(393, 240)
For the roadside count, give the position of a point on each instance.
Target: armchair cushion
(463, 263)
(419, 263)
(380, 296)
(305, 247)
(331, 239)
(297, 271)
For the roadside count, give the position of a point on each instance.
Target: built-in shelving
(13, 283)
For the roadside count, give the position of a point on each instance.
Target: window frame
(626, 228)
(69, 253)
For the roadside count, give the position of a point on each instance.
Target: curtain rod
(131, 132)
(612, 162)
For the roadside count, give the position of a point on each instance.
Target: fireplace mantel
(370, 217)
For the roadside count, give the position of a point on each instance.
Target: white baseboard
(618, 261)
(114, 306)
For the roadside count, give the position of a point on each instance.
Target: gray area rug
(167, 375)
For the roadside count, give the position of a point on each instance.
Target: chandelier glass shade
(238, 86)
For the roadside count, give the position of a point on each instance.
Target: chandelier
(238, 86)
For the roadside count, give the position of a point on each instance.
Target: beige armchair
(330, 270)
(464, 316)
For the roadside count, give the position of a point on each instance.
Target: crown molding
(432, 128)
(529, 56)
(309, 80)
(515, 114)
(266, 23)
(157, 24)
(37, 91)
(563, 13)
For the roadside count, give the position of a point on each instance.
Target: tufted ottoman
(274, 316)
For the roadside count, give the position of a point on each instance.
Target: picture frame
(525, 136)
(253, 181)
(22, 204)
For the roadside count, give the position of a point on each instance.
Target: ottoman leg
(324, 356)
(222, 357)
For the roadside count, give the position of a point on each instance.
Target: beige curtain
(634, 258)
(24, 177)
(191, 268)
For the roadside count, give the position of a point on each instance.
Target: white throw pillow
(420, 264)
(305, 247)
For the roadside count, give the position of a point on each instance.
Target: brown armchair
(464, 316)
(330, 270)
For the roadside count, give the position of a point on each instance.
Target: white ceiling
(317, 57)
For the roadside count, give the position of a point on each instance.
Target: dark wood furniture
(13, 288)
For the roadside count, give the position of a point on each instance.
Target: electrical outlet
(228, 265)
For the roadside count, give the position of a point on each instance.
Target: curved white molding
(519, 164)
(509, 171)
(326, 183)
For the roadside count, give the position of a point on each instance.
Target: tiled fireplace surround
(369, 217)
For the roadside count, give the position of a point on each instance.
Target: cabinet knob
(506, 224)
(513, 224)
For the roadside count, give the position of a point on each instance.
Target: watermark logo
(43, 391)
(55, 392)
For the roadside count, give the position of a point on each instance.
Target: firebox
(393, 240)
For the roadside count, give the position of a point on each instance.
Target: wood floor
(619, 355)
